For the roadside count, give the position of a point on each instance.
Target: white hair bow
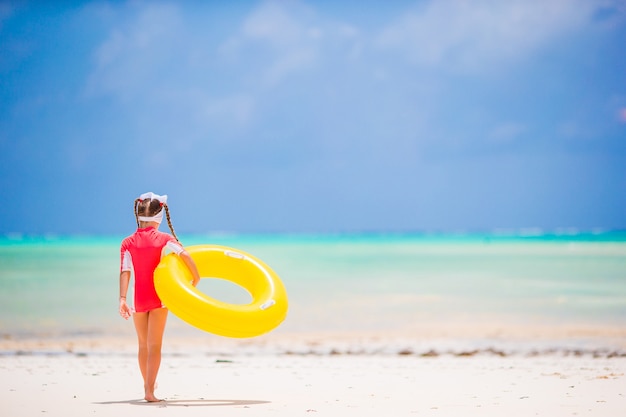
(157, 217)
(153, 196)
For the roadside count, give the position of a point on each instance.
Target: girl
(141, 253)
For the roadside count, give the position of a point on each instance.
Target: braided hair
(151, 207)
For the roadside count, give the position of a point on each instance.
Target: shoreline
(423, 341)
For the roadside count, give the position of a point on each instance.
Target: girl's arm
(124, 280)
(188, 260)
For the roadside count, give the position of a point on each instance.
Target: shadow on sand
(189, 403)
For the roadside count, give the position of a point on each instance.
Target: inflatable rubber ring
(268, 308)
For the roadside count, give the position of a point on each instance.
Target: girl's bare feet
(151, 398)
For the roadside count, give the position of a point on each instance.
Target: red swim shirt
(141, 252)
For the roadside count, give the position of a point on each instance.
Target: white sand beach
(290, 375)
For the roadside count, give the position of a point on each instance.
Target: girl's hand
(124, 309)
(188, 260)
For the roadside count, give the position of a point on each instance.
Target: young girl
(141, 253)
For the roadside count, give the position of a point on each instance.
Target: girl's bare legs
(150, 327)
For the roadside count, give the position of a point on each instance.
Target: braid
(135, 210)
(169, 222)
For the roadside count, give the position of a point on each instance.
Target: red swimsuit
(145, 247)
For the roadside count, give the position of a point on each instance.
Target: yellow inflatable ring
(267, 310)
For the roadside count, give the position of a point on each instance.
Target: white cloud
(235, 110)
(271, 23)
(506, 132)
(287, 34)
(474, 35)
(134, 55)
(163, 71)
(294, 61)
(157, 57)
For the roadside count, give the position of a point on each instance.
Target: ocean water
(340, 283)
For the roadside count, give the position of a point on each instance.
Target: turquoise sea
(340, 283)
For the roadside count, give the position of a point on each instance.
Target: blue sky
(313, 116)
